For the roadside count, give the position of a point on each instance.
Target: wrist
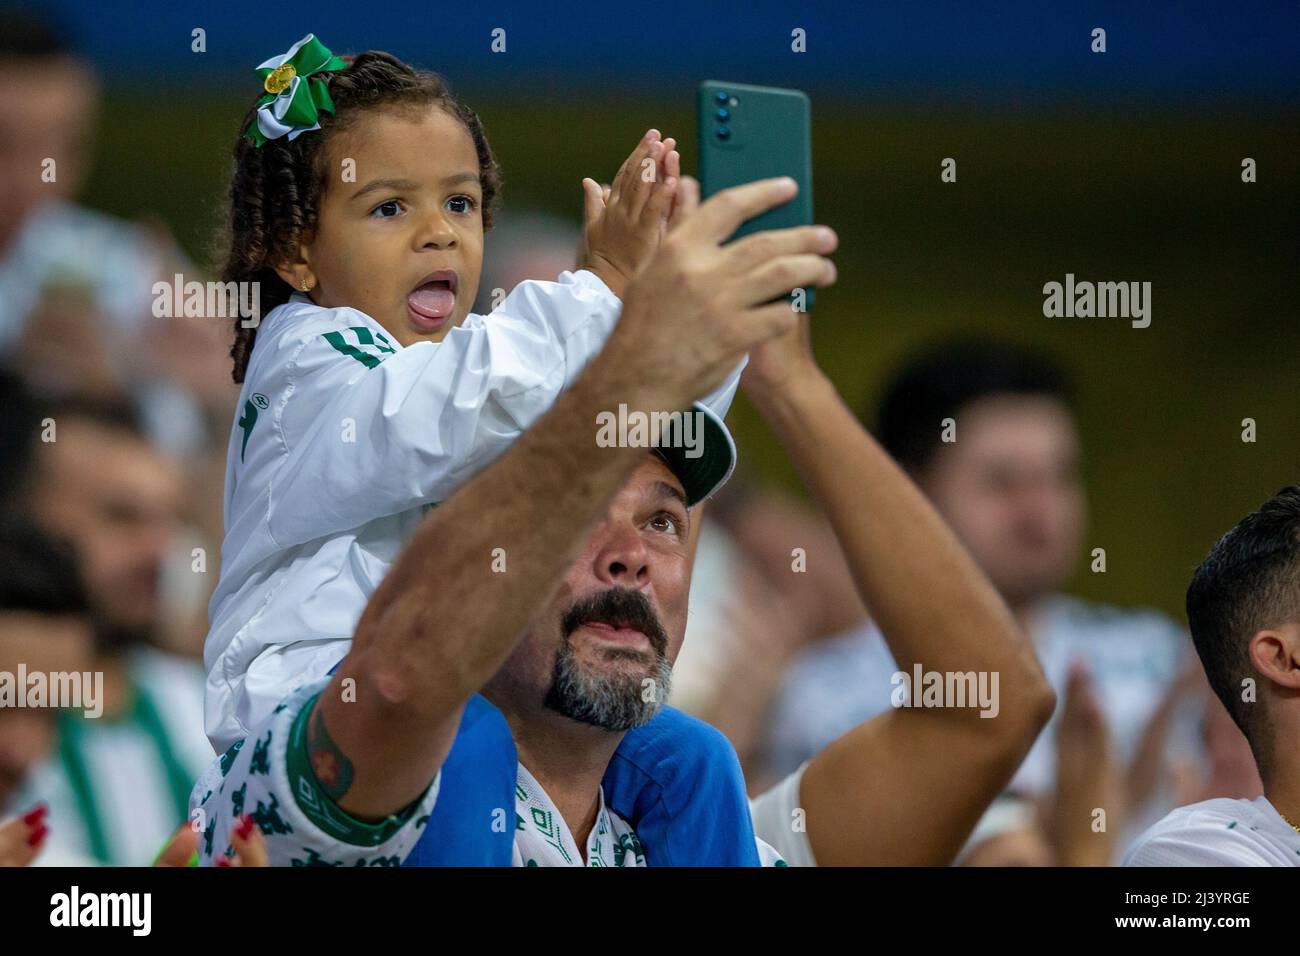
(617, 376)
(805, 393)
(607, 273)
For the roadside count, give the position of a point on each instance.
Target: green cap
(704, 465)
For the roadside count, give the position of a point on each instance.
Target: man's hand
(1087, 779)
(783, 361)
(441, 623)
(786, 359)
(624, 222)
(1147, 769)
(698, 305)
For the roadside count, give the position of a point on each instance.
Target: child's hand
(625, 221)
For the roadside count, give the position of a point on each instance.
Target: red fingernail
(35, 814)
(245, 826)
(37, 835)
(223, 861)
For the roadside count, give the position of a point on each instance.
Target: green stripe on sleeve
(340, 344)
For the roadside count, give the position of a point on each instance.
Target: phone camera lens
(724, 132)
(724, 114)
(722, 96)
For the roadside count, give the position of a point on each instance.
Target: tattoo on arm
(331, 766)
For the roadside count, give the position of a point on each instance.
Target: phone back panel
(756, 132)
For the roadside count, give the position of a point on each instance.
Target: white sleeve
(777, 823)
(376, 430)
(720, 399)
(1197, 845)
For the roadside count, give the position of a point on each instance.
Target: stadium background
(1122, 166)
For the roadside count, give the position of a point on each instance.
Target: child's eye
(387, 210)
(461, 204)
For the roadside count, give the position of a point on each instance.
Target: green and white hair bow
(295, 96)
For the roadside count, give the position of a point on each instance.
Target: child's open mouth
(431, 302)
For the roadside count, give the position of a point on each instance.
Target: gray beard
(610, 701)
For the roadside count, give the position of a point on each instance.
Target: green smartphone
(756, 132)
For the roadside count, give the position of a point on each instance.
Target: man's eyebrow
(665, 490)
(394, 185)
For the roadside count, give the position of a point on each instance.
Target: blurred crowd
(113, 429)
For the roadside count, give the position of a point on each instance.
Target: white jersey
(1219, 832)
(542, 838)
(344, 437)
(779, 822)
(270, 779)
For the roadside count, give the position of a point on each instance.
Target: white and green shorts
(267, 775)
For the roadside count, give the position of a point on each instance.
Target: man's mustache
(623, 607)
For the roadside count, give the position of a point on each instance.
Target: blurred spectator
(1228, 768)
(797, 553)
(45, 629)
(16, 436)
(987, 431)
(1009, 834)
(751, 611)
(46, 123)
(121, 782)
(740, 635)
(76, 286)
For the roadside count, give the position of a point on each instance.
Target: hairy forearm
(459, 597)
(485, 561)
(905, 788)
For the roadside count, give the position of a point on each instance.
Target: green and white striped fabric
(118, 788)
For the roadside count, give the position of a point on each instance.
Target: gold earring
(302, 283)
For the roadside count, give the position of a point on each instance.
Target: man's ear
(1275, 654)
(298, 272)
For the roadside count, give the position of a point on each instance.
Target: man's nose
(622, 558)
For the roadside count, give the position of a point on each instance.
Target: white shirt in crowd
(343, 440)
(61, 243)
(1219, 832)
(1132, 657)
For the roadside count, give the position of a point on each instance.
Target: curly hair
(275, 189)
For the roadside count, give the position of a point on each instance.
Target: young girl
(361, 194)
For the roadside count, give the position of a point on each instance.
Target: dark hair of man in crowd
(946, 378)
(24, 36)
(1249, 582)
(38, 573)
(108, 414)
(16, 434)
